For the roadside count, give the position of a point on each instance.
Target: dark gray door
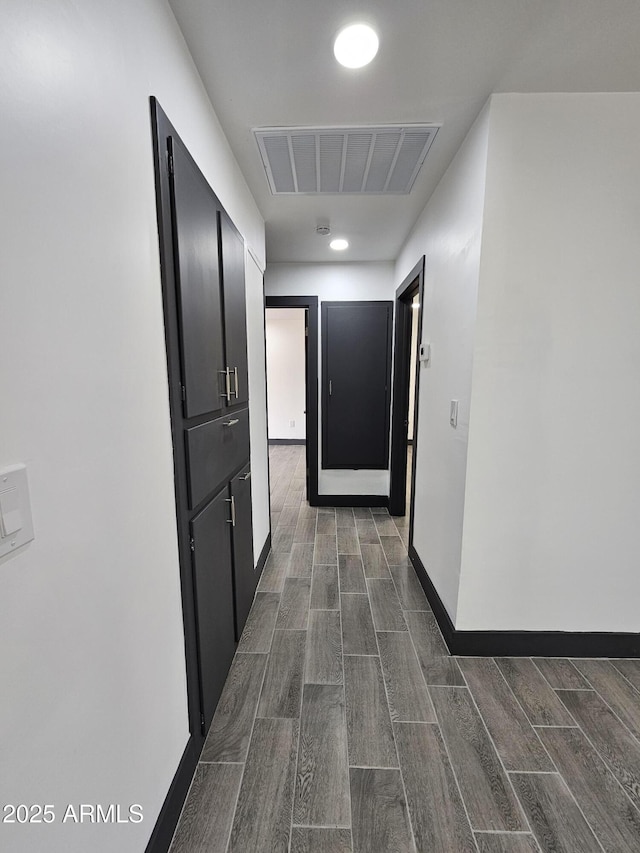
(356, 373)
(235, 319)
(195, 225)
(212, 569)
(245, 576)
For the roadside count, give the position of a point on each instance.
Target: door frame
(412, 284)
(311, 383)
(163, 129)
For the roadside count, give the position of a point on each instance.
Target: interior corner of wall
(463, 610)
(258, 261)
(459, 611)
(483, 222)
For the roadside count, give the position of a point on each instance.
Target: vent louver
(380, 160)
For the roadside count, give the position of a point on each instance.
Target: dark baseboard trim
(352, 500)
(172, 807)
(439, 611)
(594, 644)
(301, 441)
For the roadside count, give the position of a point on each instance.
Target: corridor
(345, 726)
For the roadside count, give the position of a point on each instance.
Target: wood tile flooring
(346, 727)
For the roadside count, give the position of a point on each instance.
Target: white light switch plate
(10, 515)
(453, 413)
(16, 525)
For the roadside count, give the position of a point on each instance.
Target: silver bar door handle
(232, 520)
(246, 476)
(235, 374)
(227, 384)
(330, 388)
(232, 422)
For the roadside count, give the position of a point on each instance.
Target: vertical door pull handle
(235, 374)
(227, 384)
(232, 520)
(330, 388)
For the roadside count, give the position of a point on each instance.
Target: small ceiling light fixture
(339, 245)
(356, 45)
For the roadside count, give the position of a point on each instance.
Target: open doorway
(291, 328)
(406, 380)
(285, 331)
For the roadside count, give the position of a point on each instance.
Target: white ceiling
(269, 63)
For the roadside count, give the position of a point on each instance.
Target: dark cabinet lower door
(212, 570)
(245, 576)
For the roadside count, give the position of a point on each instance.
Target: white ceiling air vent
(366, 160)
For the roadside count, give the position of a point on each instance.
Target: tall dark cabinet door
(235, 317)
(356, 376)
(195, 226)
(203, 288)
(214, 599)
(245, 576)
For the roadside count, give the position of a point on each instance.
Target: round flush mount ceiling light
(356, 45)
(339, 245)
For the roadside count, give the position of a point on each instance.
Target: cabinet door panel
(195, 227)
(356, 365)
(214, 450)
(212, 569)
(235, 319)
(245, 576)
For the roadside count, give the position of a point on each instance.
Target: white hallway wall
(553, 483)
(93, 701)
(526, 515)
(285, 333)
(333, 282)
(449, 233)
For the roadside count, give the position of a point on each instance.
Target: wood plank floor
(346, 727)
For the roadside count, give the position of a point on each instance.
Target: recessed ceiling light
(356, 45)
(339, 245)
